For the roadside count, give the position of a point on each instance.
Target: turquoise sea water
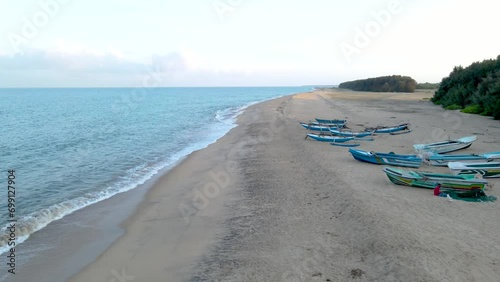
(71, 148)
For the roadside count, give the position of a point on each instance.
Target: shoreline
(96, 219)
(184, 212)
(252, 226)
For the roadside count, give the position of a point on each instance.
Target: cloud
(169, 63)
(73, 65)
(36, 59)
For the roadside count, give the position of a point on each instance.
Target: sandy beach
(265, 204)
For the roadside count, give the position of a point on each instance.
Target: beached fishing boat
(332, 121)
(338, 125)
(460, 184)
(329, 138)
(486, 169)
(346, 144)
(447, 146)
(317, 127)
(388, 129)
(348, 133)
(443, 160)
(401, 132)
(364, 138)
(386, 158)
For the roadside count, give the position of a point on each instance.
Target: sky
(131, 43)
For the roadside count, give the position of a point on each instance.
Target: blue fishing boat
(333, 121)
(364, 138)
(346, 144)
(329, 138)
(443, 160)
(386, 158)
(388, 129)
(317, 127)
(401, 132)
(339, 125)
(348, 133)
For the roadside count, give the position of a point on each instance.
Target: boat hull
(332, 121)
(313, 127)
(392, 129)
(485, 169)
(460, 184)
(386, 159)
(328, 138)
(443, 160)
(446, 146)
(345, 144)
(350, 133)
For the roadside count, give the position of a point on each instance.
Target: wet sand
(264, 204)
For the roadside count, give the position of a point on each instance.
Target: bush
(453, 107)
(472, 109)
(496, 110)
(475, 89)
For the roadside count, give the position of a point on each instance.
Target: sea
(66, 149)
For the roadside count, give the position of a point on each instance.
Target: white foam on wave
(39, 219)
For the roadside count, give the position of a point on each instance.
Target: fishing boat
(348, 133)
(332, 121)
(443, 160)
(401, 132)
(339, 125)
(386, 158)
(388, 129)
(346, 144)
(460, 184)
(317, 127)
(329, 138)
(486, 169)
(447, 146)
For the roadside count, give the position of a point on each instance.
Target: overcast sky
(120, 43)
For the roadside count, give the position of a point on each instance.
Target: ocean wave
(228, 116)
(39, 219)
(133, 178)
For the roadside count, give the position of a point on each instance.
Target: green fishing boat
(460, 184)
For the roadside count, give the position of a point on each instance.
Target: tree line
(393, 83)
(474, 89)
(427, 85)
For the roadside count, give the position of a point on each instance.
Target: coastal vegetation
(474, 89)
(393, 83)
(427, 85)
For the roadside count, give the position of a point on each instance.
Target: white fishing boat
(443, 160)
(446, 146)
(486, 169)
